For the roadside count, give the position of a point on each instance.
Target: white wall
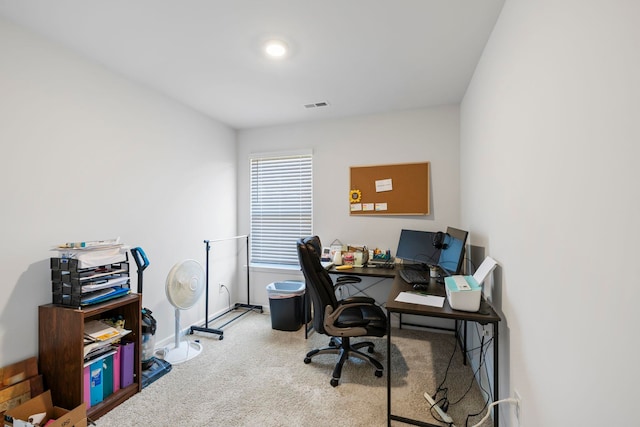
(88, 155)
(549, 148)
(404, 137)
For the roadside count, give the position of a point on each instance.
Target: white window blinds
(281, 207)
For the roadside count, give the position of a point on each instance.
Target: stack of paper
(94, 253)
(99, 337)
(416, 297)
(98, 330)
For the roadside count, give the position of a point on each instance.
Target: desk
(381, 274)
(485, 315)
(386, 273)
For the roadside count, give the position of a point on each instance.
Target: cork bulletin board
(400, 189)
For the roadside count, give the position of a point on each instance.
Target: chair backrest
(317, 280)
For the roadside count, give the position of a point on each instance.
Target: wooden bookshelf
(61, 350)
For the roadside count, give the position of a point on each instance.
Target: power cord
(445, 399)
(483, 355)
(497, 402)
(441, 406)
(488, 394)
(228, 296)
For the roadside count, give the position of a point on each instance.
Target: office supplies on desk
(386, 265)
(326, 264)
(326, 254)
(381, 262)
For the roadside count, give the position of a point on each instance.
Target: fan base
(187, 350)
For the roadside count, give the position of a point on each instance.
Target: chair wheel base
(307, 360)
(334, 382)
(378, 373)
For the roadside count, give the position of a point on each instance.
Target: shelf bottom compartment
(112, 401)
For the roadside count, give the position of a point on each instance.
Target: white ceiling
(360, 56)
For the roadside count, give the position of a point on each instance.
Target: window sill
(272, 268)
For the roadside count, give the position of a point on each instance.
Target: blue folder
(104, 295)
(95, 382)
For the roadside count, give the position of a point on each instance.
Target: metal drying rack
(248, 307)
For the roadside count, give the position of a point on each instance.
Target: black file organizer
(67, 279)
(248, 306)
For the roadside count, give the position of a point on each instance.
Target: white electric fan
(185, 283)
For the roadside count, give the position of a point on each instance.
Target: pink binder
(87, 386)
(116, 369)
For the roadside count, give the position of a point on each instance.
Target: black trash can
(286, 303)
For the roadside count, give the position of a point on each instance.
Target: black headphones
(439, 240)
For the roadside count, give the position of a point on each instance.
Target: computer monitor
(417, 247)
(452, 252)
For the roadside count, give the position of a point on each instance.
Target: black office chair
(355, 316)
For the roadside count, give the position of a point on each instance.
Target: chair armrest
(343, 280)
(332, 315)
(357, 300)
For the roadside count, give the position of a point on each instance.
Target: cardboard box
(18, 416)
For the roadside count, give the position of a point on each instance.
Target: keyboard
(414, 276)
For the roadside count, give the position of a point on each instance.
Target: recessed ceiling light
(276, 48)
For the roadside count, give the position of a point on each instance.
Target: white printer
(464, 292)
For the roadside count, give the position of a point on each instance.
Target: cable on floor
(497, 402)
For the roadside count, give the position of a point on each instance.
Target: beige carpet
(256, 376)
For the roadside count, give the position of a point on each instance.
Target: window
(281, 207)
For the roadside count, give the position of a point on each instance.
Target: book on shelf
(99, 330)
(94, 347)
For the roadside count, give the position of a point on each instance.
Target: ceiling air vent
(317, 104)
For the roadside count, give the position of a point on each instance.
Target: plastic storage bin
(286, 303)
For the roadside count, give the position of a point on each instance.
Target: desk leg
(389, 369)
(464, 347)
(496, 384)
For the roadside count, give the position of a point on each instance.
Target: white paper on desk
(431, 300)
(485, 268)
